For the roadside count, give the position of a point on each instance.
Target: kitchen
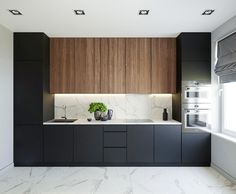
(124, 111)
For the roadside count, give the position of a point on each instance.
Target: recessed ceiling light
(208, 12)
(144, 12)
(79, 12)
(15, 12)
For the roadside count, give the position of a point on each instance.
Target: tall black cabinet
(32, 102)
(193, 64)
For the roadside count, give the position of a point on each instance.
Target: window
(229, 108)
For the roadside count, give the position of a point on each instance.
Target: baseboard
(224, 173)
(4, 169)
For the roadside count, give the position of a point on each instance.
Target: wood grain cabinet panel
(163, 65)
(62, 65)
(113, 65)
(138, 65)
(87, 65)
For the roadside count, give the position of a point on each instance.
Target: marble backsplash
(125, 106)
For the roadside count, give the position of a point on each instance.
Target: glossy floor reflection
(114, 180)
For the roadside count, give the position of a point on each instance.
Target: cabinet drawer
(114, 139)
(114, 155)
(115, 128)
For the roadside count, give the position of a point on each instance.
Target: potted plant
(97, 108)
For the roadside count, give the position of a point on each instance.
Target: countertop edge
(79, 122)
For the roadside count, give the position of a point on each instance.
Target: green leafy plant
(97, 106)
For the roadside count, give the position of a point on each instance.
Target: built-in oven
(196, 117)
(195, 92)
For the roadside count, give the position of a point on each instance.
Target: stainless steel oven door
(196, 94)
(195, 119)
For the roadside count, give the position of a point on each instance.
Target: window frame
(222, 116)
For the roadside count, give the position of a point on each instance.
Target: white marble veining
(114, 180)
(125, 106)
(115, 122)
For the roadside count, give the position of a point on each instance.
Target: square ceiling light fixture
(208, 12)
(15, 12)
(79, 12)
(144, 12)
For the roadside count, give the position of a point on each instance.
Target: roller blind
(226, 59)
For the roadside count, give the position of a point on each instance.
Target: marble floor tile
(114, 180)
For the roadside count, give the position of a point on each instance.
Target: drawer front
(114, 155)
(114, 139)
(115, 128)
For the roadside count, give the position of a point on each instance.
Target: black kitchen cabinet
(115, 155)
(115, 139)
(33, 104)
(28, 145)
(194, 57)
(193, 64)
(196, 70)
(88, 144)
(140, 144)
(167, 144)
(58, 144)
(115, 128)
(196, 149)
(30, 46)
(28, 93)
(195, 46)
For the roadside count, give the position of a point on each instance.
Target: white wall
(223, 150)
(6, 97)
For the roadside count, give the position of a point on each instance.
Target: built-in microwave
(195, 92)
(196, 117)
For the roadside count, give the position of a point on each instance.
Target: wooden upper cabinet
(62, 65)
(163, 65)
(138, 65)
(87, 65)
(113, 65)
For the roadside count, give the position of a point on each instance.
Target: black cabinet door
(196, 148)
(28, 46)
(168, 144)
(140, 144)
(58, 144)
(28, 93)
(89, 144)
(115, 128)
(196, 70)
(115, 139)
(115, 155)
(28, 144)
(196, 46)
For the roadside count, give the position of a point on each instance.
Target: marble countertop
(116, 122)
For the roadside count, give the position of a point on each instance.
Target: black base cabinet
(58, 144)
(91, 145)
(140, 144)
(115, 156)
(196, 149)
(28, 145)
(167, 144)
(88, 144)
(115, 145)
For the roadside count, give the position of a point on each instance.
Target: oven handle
(195, 110)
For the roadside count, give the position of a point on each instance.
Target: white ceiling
(115, 18)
